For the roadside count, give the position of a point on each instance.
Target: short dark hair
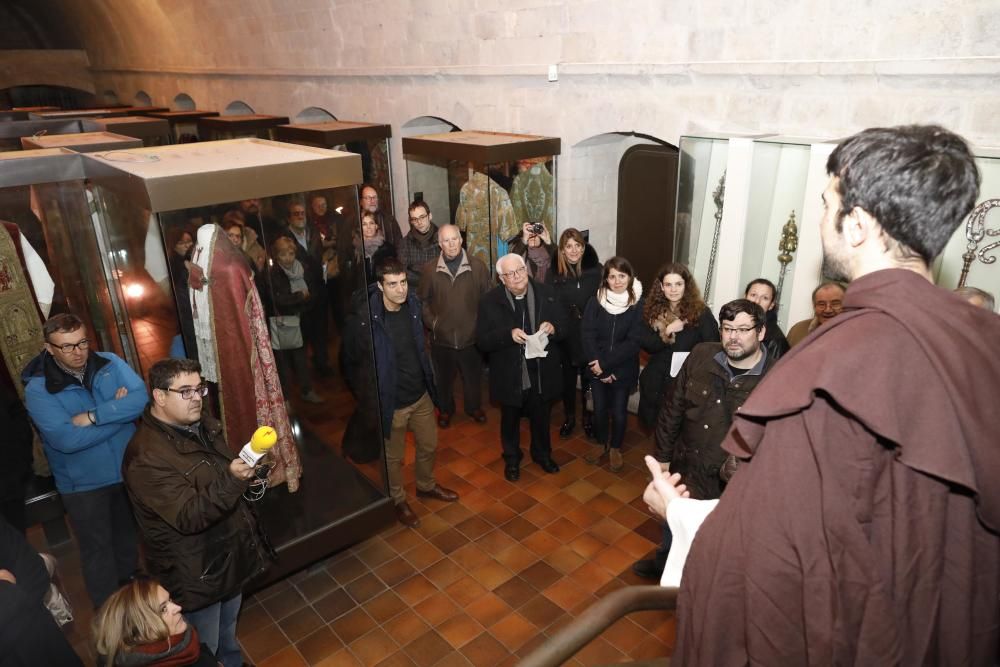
(164, 371)
(729, 312)
(827, 283)
(918, 181)
(61, 323)
(388, 266)
(419, 204)
(621, 265)
(766, 283)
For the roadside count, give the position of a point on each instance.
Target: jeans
(216, 625)
(419, 418)
(537, 410)
(610, 402)
(105, 530)
(569, 375)
(468, 362)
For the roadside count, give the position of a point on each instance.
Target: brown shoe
(616, 460)
(406, 515)
(595, 454)
(439, 493)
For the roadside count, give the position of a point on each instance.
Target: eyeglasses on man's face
(369, 197)
(187, 393)
(520, 271)
(418, 218)
(66, 348)
(732, 331)
(298, 214)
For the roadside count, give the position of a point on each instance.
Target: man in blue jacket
(84, 406)
(405, 386)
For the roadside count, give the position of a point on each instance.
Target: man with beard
(712, 384)
(863, 526)
(267, 228)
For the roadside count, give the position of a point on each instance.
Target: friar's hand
(662, 489)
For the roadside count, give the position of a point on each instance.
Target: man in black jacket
(508, 315)
(202, 540)
(712, 384)
(17, 455)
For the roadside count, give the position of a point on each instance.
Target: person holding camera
(575, 278)
(535, 245)
(202, 539)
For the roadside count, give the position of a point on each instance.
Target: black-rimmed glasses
(187, 393)
(66, 348)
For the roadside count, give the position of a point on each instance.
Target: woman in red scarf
(140, 626)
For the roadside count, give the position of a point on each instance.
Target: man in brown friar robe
(862, 525)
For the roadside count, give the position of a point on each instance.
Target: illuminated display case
(490, 184)
(212, 128)
(184, 124)
(369, 140)
(222, 209)
(12, 131)
(151, 131)
(84, 142)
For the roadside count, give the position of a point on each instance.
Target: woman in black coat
(611, 326)
(575, 278)
(675, 319)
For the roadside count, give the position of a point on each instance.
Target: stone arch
(238, 108)
(314, 115)
(427, 125)
(183, 102)
(429, 178)
(142, 99)
(109, 97)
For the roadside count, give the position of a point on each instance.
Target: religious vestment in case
(484, 209)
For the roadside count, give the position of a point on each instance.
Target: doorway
(647, 201)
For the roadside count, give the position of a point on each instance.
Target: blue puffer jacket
(84, 458)
(385, 356)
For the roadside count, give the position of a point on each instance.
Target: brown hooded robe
(864, 529)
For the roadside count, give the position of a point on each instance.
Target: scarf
(373, 244)
(296, 276)
(180, 649)
(530, 296)
(540, 257)
(423, 239)
(616, 304)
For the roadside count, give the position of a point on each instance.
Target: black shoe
(566, 429)
(324, 371)
(479, 416)
(512, 473)
(444, 420)
(549, 466)
(650, 568)
(588, 427)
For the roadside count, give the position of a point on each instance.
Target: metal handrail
(596, 619)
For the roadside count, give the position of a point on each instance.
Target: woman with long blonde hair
(140, 626)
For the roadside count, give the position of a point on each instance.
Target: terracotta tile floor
(481, 582)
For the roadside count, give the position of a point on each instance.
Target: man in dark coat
(16, 471)
(202, 540)
(508, 314)
(713, 383)
(862, 528)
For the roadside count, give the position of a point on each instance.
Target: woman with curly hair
(675, 319)
(140, 626)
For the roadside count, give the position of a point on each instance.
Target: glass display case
(212, 128)
(12, 131)
(151, 131)
(183, 124)
(84, 142)
(369, 140)
(979, 236)
(21, 113)
(198, 245)
(490, 184)
(64, 114)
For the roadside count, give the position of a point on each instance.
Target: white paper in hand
(676, 361)
(535, 344)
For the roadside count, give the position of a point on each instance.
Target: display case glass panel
(64, 114)
(214, 128)
(984, 269)
(84, 142)
(369, 140)
(207, 265)
(779, 170)
(701, 184)
(151, 131)
(184, 124)
(498, 188)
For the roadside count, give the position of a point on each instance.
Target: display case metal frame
(83, 142)
(16, 129)
(231, 127)
(151, 131)
(481, 146)
(181, 118)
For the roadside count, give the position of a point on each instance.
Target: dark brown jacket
(696, 415)
(863, 529)
(450, 303)
(202, 541)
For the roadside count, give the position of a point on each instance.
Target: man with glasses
(387, 223)
(420, 245)
(84, 405)
(202, 541)
(713, 383)
(508, 315)
(450, 290)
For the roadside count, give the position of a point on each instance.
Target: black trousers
(294, 360)
(106, 533)
(537, 411)
(610, 404)
(569, 375)
(469, 363)
(316, 333)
